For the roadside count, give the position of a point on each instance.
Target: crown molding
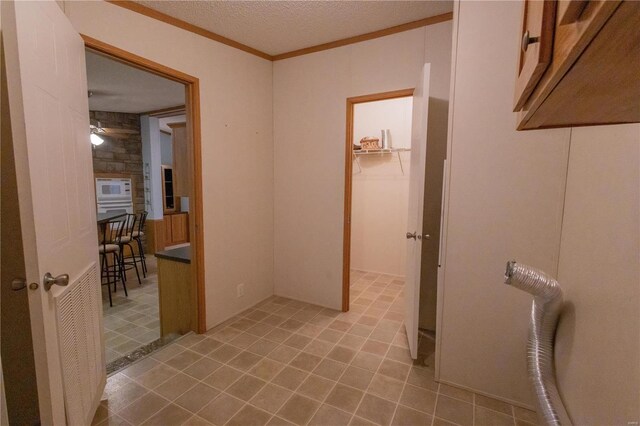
(167, 19)
(368, 36)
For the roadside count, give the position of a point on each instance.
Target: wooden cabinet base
(154, 229)
(170, 230)
(177, 298)
(175, 229)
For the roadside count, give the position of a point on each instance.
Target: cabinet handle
(527, 40)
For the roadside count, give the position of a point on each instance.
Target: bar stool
(112, 231)
(137, 235)
(130, 261)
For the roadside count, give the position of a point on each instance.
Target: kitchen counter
(176, 292)
(180, 254)
(103, 218)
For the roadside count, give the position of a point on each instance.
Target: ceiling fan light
(95, 139)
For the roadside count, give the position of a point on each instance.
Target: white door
(49, 109)
(416, 208)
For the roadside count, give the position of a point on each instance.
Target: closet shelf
(380, 151)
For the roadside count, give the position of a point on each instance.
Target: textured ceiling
(118, 87)
(276, 27)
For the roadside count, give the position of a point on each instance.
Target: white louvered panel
(78, 313)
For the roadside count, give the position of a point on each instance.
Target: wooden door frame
(192, 106)
(348, 179)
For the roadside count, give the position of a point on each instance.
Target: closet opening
(378, 153)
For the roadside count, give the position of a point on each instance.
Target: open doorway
(376, 176)
(144, 123)
(380, 187)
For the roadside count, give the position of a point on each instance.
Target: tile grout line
(473, 409)
(435, 405)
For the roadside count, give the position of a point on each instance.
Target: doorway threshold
(126, 360)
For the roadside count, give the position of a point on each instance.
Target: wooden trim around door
(192, 99)
(348, 179)
(166, 112)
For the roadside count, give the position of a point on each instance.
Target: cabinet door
(181, 159)
(168, 235)
(168, 196)
(179, 228)
(569, 11)
(536, 46)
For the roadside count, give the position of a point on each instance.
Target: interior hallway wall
(166, 149)
(598, 340)
(152, 158)
(505, 200)
(237, 146)
(381, 189)
(574, 213)
(310, 95)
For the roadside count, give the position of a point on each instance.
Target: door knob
(49, 280)
(411, 235)
(427, 236)
(527, 40)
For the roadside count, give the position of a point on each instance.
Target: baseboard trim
(489, 395)
(238, 312)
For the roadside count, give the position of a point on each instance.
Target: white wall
(370, 118)
(598, 340)
(575, 213)
(237, 146)
(166, 149)
(310, 95)
(380, 190)
(152, 161)
(505, 200)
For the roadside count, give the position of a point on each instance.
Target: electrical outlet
(240, 290)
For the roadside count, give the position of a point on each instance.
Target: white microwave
(113, 190)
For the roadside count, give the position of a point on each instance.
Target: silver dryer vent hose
(547, 302)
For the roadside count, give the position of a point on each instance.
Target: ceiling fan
(97, 132)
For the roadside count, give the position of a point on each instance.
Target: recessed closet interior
(380, 187)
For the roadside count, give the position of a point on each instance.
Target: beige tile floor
(132, 321)
(285, 362)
